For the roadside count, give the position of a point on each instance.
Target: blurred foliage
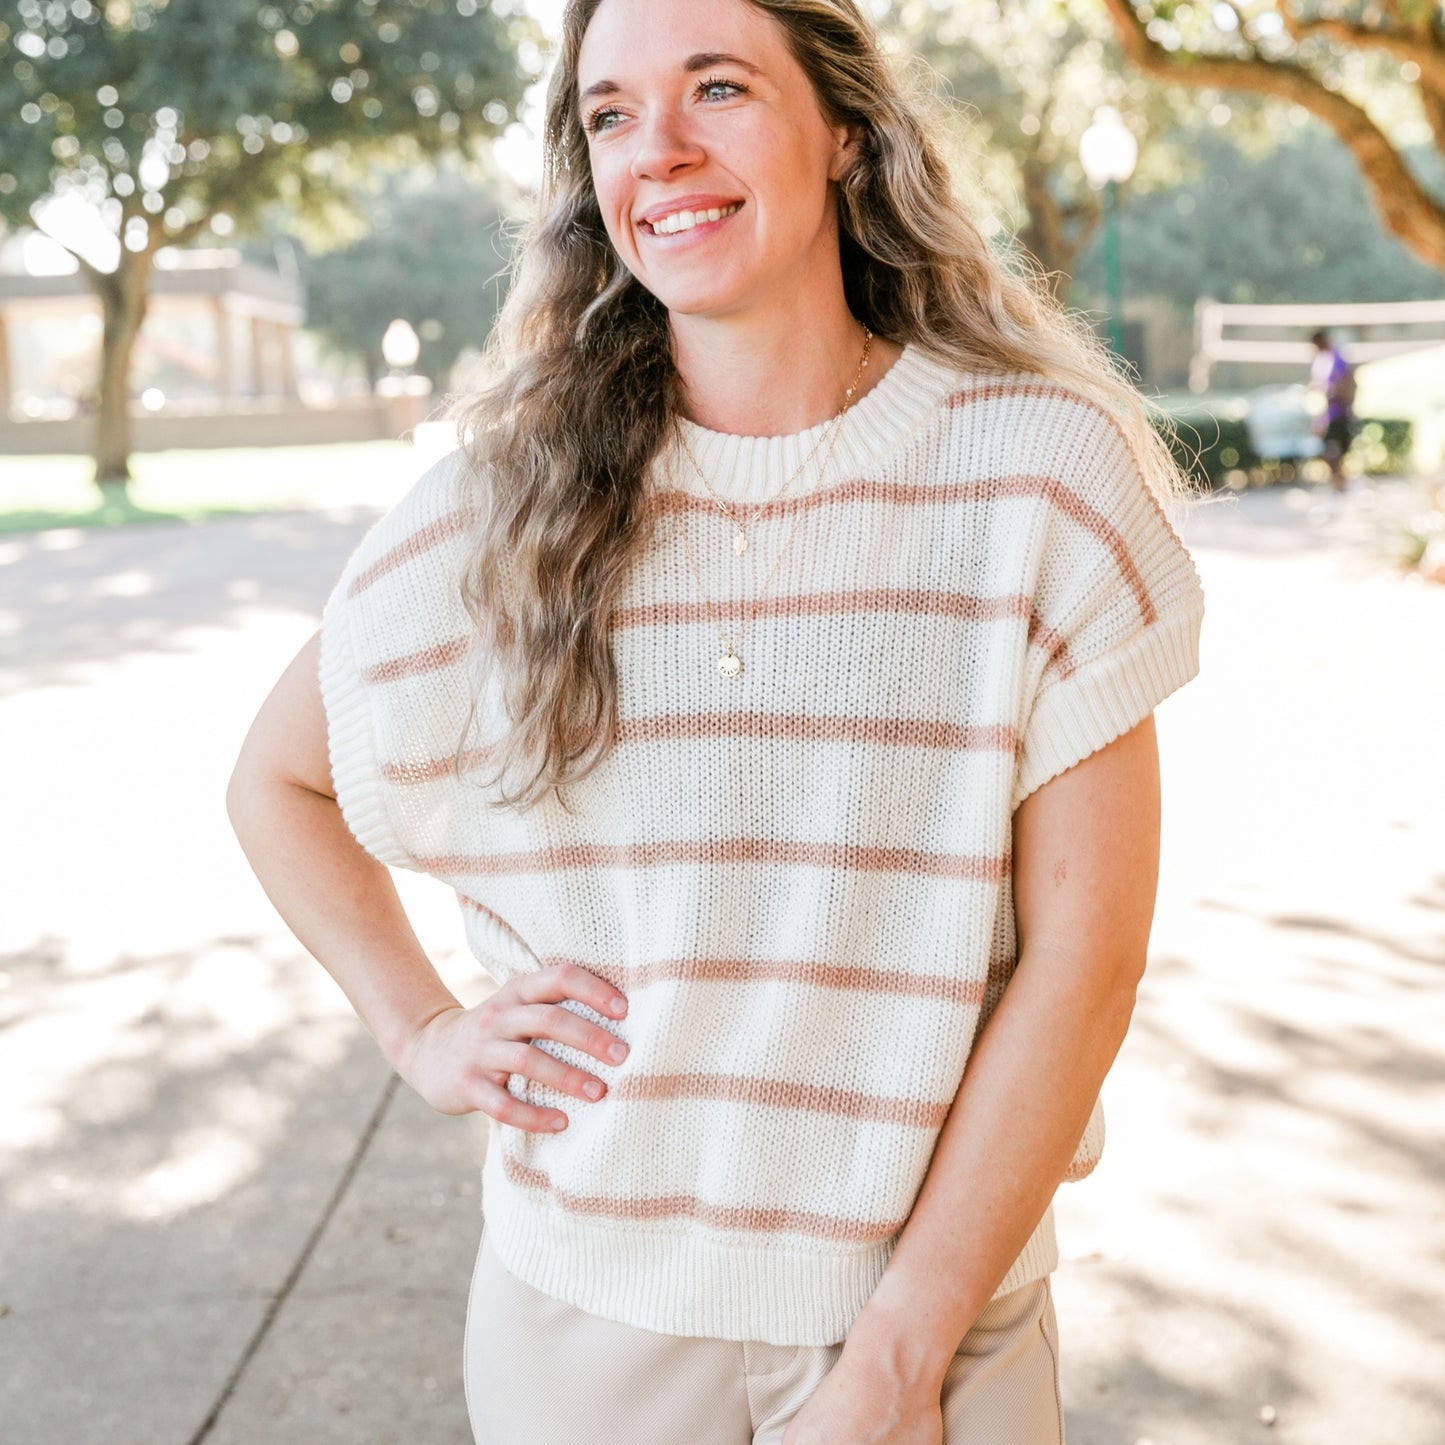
(1286, 225)
(168, 119)
(1211, 442)
(1373, 73)
(1024, 80)
(434, 252)
(163, 113)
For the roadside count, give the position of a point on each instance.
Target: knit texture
(800, 877)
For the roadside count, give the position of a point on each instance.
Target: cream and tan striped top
(800, 877)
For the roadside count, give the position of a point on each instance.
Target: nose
(665, 147)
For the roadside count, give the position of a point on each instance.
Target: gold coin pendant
(730, 665)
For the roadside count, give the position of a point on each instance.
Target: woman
(772, 678)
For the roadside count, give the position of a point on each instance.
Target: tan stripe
(904, 494)
(430, 659)
(1078, 510)
(963, 867)
(851, 979)
(780, 1094)
(801, 728)
(749, 1219)
(755, 727)
(431, 769)
(496, 919)
(1053, 643)
(418, 544)
(960, 606)
(1035, 389)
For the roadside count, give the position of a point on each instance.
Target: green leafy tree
(1372, 70)
(434, 254)
(163, 115)
(1290, 224)
(1031, 73)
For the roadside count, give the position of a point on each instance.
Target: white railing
(1216, 324)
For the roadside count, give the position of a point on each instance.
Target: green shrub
(1210, 441)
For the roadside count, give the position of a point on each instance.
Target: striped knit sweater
(800, 877)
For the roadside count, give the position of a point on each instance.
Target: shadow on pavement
(177, 1127)
(73, 597)
(1293, 1261)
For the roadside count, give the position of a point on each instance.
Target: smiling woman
(771, 677)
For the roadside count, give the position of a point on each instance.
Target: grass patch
(191, 486)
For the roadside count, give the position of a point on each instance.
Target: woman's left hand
(861, 1404)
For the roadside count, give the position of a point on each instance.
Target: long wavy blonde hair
(586, 390)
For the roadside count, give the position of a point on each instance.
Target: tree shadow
(1301, 1178)
(72, 599)
(1433, 955)
(180, 1125)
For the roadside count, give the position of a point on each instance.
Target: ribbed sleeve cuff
(355, 773)
(1079, 715)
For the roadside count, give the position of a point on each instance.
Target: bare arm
(343, 907)
(1086, 850)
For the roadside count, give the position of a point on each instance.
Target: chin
(701, 300)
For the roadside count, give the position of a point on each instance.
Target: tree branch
(1434, 108)
(1418, 48)
(1407, 209)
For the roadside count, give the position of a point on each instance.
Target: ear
(848, 143)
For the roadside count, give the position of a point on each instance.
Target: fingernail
(617, 1053)
(559, 1123)
(619, 1006)
(592, 1089)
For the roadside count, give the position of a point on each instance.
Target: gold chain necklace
(730, 664)
(741, 541)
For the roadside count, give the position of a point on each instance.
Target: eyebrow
(703, 60)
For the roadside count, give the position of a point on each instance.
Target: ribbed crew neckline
(750, 468)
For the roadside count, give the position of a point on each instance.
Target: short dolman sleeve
(395, 637)
(1117, 608)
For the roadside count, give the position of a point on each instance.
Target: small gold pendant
(740, 543)
(730, 664)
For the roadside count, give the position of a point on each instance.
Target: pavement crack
(298, 1268)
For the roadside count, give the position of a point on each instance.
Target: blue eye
(715, 88)
(598, 120)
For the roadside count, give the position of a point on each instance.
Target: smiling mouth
(689, 220)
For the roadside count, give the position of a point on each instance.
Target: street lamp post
(400, 347)
(1108, 153)
(405, 396)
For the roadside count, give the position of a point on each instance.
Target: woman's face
(710, 155)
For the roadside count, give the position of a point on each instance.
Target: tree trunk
(123, 305)
(1055, 233)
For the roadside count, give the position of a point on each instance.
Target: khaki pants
(540, 1372)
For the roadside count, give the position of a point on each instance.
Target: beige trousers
(540, 1372)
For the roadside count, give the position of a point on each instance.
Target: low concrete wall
(275, 424)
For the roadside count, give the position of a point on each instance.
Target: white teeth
(686, 220)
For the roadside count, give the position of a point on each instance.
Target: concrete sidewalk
(221, 1221)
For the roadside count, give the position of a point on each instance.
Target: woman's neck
(772, 376)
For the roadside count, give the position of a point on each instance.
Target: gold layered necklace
(730, 663)
(741, 519)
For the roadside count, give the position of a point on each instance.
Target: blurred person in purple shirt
(1333, 378)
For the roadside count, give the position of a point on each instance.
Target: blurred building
(222, 360)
